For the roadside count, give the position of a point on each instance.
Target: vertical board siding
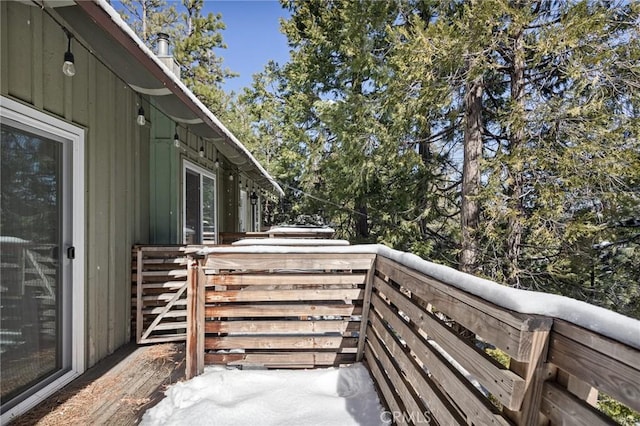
(4, 49)
(20, 36)
(121, 149)
(116, 164)
(39, 36)
(140, 198)
(166, 190)
(80, 99)
(99, 210)
(51, 49)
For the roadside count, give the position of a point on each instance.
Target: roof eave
(108, 19)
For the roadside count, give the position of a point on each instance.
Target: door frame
(186, 164)
(72, 137)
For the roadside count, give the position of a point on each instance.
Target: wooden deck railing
(274, 311)
(414, 351)
(303, 309)
(159, 292)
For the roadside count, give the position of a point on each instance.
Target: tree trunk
(362, 222)
(190, 6)
(470, 209)
(145, 36)
(424, 149)
(515, 207)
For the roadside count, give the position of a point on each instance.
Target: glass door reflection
(31, 234)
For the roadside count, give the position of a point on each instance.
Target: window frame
(201, 171)
(72, 137)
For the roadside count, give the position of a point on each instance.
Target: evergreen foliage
(371, 114)
(371, 124)
(195, 38)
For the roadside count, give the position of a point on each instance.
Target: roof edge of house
(152, 63)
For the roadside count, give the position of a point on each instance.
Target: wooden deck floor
(116, 391)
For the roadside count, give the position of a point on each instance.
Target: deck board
(117, 390)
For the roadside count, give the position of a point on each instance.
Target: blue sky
(252, 37)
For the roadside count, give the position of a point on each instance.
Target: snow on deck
(222, 396)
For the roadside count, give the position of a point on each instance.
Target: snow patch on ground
(221, 396)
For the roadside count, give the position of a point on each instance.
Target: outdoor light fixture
(176, 138)
(141, 120)
(68, 67)
(201, 153)
(217, 163)
(230, 176)
(254, 198)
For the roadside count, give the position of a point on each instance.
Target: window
(243, 209)
(42, 259)
(199, 213)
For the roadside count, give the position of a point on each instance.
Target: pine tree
(148, 17)
(539, 88)
(195, 40)
(333, 87)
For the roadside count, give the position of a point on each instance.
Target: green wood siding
(116, 159)
(165, 182)
(133, 174)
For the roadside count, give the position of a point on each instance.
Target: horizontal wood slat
(280, 310)
(501, 327)
(276, 279)
(161, 297)
(503, 384)
(562, 408)
(280, 342)
(282, 295)
(178, 273)
(173, 337)
(386, 387)
(173, 325)
(282, 327)
(281, 359)
(170, 314)
(162, 285)
(472, 402)
(308, 262)
(620, 381)
(610, 348)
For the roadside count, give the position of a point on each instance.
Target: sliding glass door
(36, 253)
(200, 224)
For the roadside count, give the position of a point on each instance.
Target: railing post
(195, 317)
(534, 370)
(139, 269)
(366, 303)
